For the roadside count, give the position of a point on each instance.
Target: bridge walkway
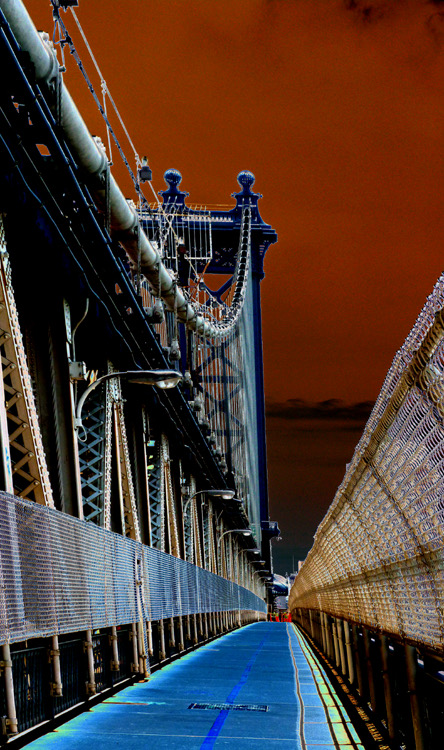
(256, 687)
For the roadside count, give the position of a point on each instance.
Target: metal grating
(61, 574)
(377, 557)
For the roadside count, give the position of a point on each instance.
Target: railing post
(115, 663)
(162, 652)
(141, 646)
(11, 718)
(358, 661)
(339, 632)
(369, 670)
(181, 638)
(189, 636)
(388, 694)
(172, 633)
(54, 656)
(349, 652)
(335, 642)
(412, 683)
(323, 633)
(311, 623)
(135, 664)
(196, 631)
(149, 632)
(89, 648)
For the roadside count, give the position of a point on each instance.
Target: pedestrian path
(258, 687)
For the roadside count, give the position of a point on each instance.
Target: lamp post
(163, 379)
(243, 532)
(219, 494)
(253, 550)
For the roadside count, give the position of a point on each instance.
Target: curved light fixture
(163, 379)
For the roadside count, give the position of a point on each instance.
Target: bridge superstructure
(134, 520)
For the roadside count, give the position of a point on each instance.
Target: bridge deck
(265, 668)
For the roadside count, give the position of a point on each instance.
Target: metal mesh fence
(378, 555)
(59, 574)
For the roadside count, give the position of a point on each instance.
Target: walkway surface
(258, 687)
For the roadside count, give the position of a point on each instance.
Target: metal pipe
(89, 648)
(92, 159)
(135, 664)
(56, 685)
(115, 662)
(11, 719)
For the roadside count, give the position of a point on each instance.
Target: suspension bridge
(135, 537)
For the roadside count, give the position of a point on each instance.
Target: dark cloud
(435, 25)
(369, 11)
(333, 409)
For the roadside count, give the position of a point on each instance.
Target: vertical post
(141, 646)
(162, 652)
(115, 663)
(335, 642)
(149, 632)
(415, 707)
(369, 670)
(196, 632)
(56, 685)
(388, 693)
(358, 661)
(181, 638)
(89, 648)
(324, 637)
(135, 664)
(311, 623)
(349, 652)
(172, 633)
(11, 719)
(339, 632)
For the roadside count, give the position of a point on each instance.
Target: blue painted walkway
(258, 687)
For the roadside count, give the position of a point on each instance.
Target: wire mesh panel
(378, 554)
(60, 574)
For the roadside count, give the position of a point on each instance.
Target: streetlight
(219, 494)
(243, 532)
(163, 379)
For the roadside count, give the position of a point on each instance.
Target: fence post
(89, 648)
(335, 642)
(339, 631)
(11, 719)
(115, 662)
(54, 656)
(412, 683)
(349, 652)
(135, 664)
(388, 694)
(369, 670)
(162, 652)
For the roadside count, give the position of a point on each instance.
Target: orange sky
(337, 106)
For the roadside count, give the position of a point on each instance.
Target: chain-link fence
(59, 574)
(377, 557)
